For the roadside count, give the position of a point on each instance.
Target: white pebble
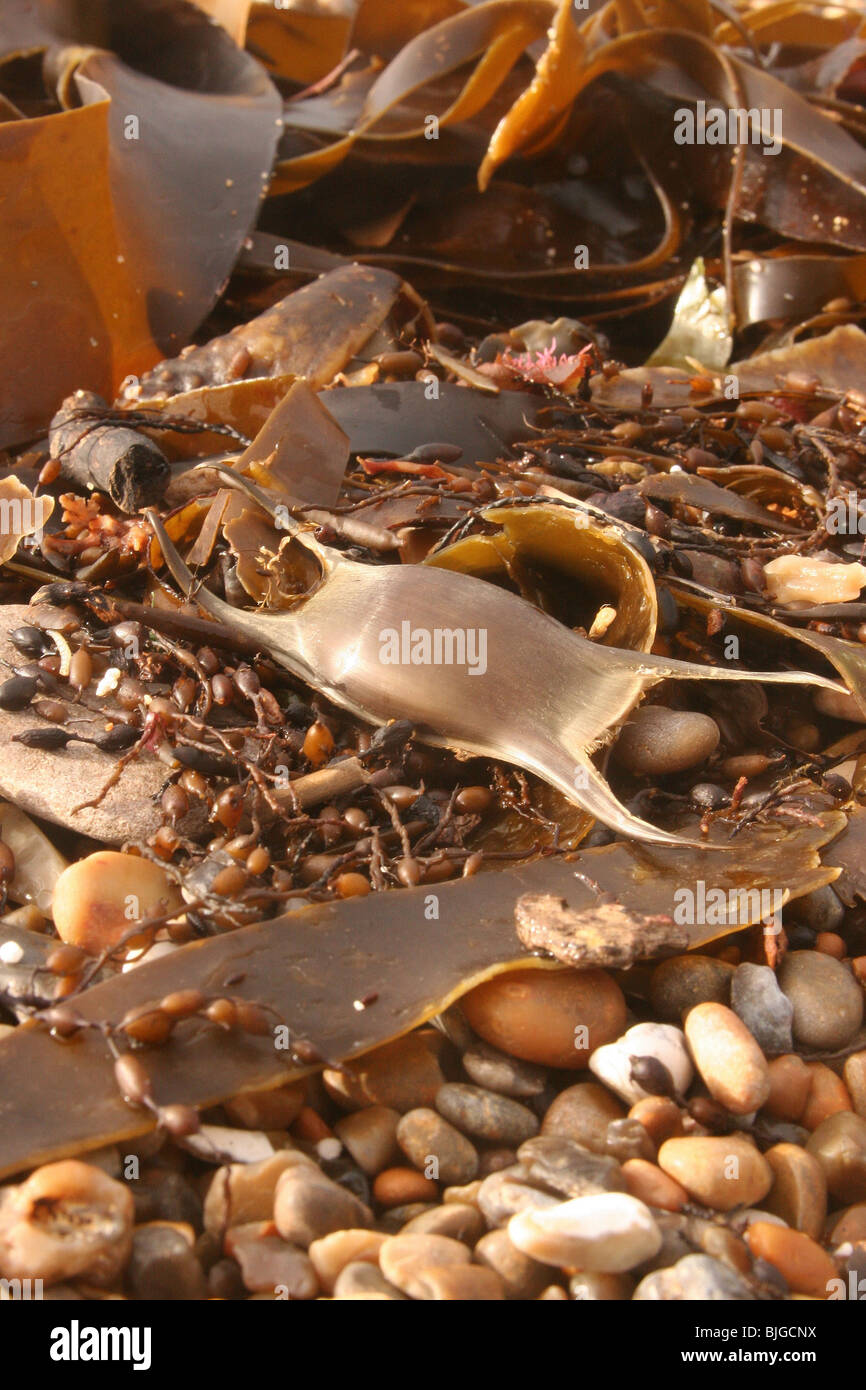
(666, 1043)
(608, 1232)
(11, 953)
(109, 682)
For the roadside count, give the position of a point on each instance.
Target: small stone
(270, 1265)
(458, 1220)
(828, 1095)
(589, 1286)
(555, 1018)
(799, 1191)
(486, 1115)
(93, 898)
(307, 1206)
(695, 1278)
(522, 1277)
(660, 1116)
(720, 1242)
(459, 1283)
(361, 1280)
(400, 1187)
(583, 1113)
(395, 1219)
(854, 1074)
(850, 1225)
(161, 1195)
(628, 1139)
(758, 1001)
(496, 1071)
(503, 1194)
(331, 1254)
(650, 1185)
(405, 1260)
(839, 1145)
(67, 1220)
(804, 1266)
(663, 1042)
(493, 1160)
(722, 1173)
(790, 1083)
(400, 1075)
(436, 1147)
(657, 741)
(276, 1109)
(564, 1166)
(827, 1000)
(610, 1232)
(676, 985)
(163, 1265)
(732, 1065)
(244, 1192)
(370, 1136)
(821, 909)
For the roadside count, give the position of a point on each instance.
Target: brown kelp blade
(312, 967)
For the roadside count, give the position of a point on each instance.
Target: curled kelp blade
(310, 967)
(366, 637)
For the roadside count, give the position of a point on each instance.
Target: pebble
(307, 1206)
(839, 1145)
(99, 898)
(331, 1254)
(610, 1232)
(660, 1116)
(804, 1266)
(459, 1283)
(628, 1139)
(612, 1064)
(722, 1173)
(400, 1187)
(495, 1070)
(678, 984)
(244, 1192)
(492, 1160)
(163, 1265)
(268, 1264)
(583, 1113)
(656, 741)
(401, 1075)
(790, 1083)
(731, 1064)
(828, 1095)
(521, 1276)
(854, 1074)
(564, 1166)
(395, 1219)
(651, 1185)
(589, 1286)
(850, 1225)
(486, 1115)
(458, 1220)
(503, 1194)
(799, 1191)
(758, 1001)
(431, 1143)
(361, 1280)
(67, 1220)
(276, 1109)
(821, 909)
(695, 1278)
(555, 1018)
(370, 1136)
(828, 1002)
(405, 1260)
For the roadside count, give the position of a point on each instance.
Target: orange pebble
(660, 1117)
(790, 1084)
(310, 1126)
(649, 1184)
(858, 965)
(827, 1096)
(799, 1259)
(397, 1187)
(831, 944)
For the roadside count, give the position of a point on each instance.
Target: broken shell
(68, 1219)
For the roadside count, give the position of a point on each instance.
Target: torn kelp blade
(310, 967)
(534, 693)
